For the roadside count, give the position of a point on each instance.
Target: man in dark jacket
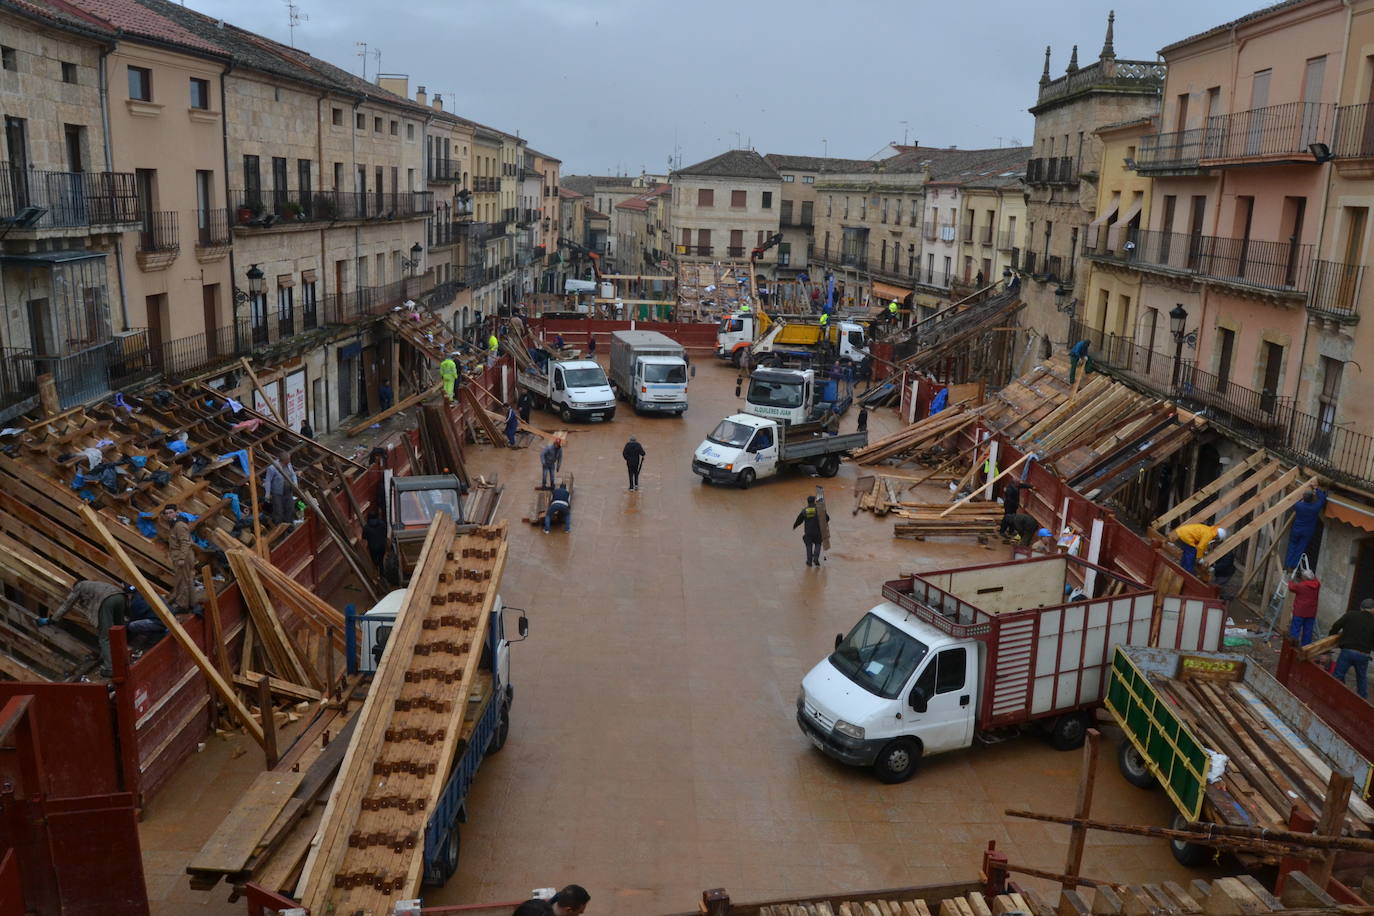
(103, 605)
(1028, 530)
(1011, 504)
(560, 505)
(1356, 630)
(374, 533)
(1305, 515)
(810, 521)
(633, 453)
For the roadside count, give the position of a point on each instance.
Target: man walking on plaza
(633, 453)
(550, 462)
(1305, 588)
(512, 426)
(810, 521)
(1356, 630)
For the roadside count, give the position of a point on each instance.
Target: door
(763, 452)
(948, 685)
(1313, 82)
(1259, 102)
(209, 303)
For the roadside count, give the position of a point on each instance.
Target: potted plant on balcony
(244, 213)
(292, 209)
(324, 206)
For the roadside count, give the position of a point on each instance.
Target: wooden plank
(391, 411)
(1216, 486)
(259, 546)
(270, 632)
(253, 379)
(135, 577)
(207, 577)
(230, 846)
(278, 686)
(1264, 518)
(1257, 501)
(1011, 467)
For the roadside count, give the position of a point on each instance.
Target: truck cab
(793, 396)
(412, 503)
(572, 388)
(660, 384)
(895, 689)
(735, 333)
(741, 449)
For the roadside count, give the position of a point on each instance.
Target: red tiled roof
(134, 19)
(569, 193)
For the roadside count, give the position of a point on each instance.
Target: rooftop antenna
(905, 131)
(362, 52)
(294, 17)
(737, 140)
(825, 148)
(377, 54)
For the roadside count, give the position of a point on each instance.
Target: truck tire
(1189, 855)
(746, 478)
(1133, 767)
(447, 863)
(897, 761)
(1069, 731)
(828, 466)
(501, 732)
(565, 413)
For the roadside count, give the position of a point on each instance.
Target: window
(279, 185)
(878, 657)
(706, 197)
(309, 302)
(286, 320)
(141, 84)
(68, 72)
(767, 200)
(377, 125)
(945, 673)
(1326, 401)
(788, 179)
(200, 94)
(806, 179)
(305, 182)
(360, 121)
(252, 181)
(410, 131)
(739, 198)
(1226, 345)
(9, 60)
(337, 116)
(395, 128)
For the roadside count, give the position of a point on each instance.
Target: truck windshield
(775, 394)
(658, 372)
(417, 508)
(728, 432)
(585, 378)
(878, 657)
(856, 339)
(730, 325)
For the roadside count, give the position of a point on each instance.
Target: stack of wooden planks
(482, 500)
(919, 437)
(1268, 767)
(973, 904)
(441, 445)
(540, 506)
(370, 847)
(973, 519)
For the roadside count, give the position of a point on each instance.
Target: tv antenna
(294, 17)
(362, 52)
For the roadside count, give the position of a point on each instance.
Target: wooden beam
(1013, 466)
(280, 687)
(1199, 496)
(1264, 518)
(1256, 502)
(257, 386)
(258, 546)
(135, 577)
(1078, 834)
(391, 411)
(216, 628)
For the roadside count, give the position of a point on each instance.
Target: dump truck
(649, 371)
(575, 389)
(411, 504)
(794, 396)
(796, 341)
(956, 653)
(743, 448)
(1229, 745)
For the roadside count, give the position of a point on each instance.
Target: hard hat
(1221, 534)
(1043, 532)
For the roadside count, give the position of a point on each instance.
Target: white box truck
(649, 371)
(575, 389)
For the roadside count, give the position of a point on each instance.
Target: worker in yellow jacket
(1194, 540)
(448, 374)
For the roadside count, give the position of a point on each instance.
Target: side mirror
(917, 700)
(839, 638)
(523, 626)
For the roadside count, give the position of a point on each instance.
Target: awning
(1096, 225)
(286, 280)
(1351, 513)
(1114, 234)
(887, 292)
(308, 276)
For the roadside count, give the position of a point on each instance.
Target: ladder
(1276, 600)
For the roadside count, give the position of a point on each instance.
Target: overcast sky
(619, 86)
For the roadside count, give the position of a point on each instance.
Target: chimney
(421, 97)
(438, 102)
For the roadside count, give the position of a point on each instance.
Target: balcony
(17, 382)
(1006, 240)
(72, 200)
(985, 239)
(261, 210)
(92, 373)
(527, 217)
(1112, 75)
(1278, 133)
(486, 183)
(804, 221)
(695, 251)
(440, 170)
(1335, 290)
(930, 230)
(158, 240)
(1053, 170)
(201, 353)
(1176, 152)
(1281, 267)
(735, 251)
(212, 229)
(447, 233)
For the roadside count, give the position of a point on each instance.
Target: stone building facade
(726, 206)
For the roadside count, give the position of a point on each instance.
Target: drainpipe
(224, 140)
(109, 167)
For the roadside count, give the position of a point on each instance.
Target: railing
(1029, 265)
(212, 228)
(1335, 289)
(930, 230)
(94, 372)
(699, 251)
(449, 232)
(1006, 240)
(1278, 130)
(1354, 132)
(256, 210)
(529, 217)
(1180, 149)
(17, 383)
(509, 214)
(200, 353)
(735, 251)
(1035, 171)
(71, 199)
(367, 302)
(799, 221)
(1139, 75)
(486, 183)
(856, 261)
(1283, 266)
(1270, 420)
(986, 239)
(441, 169)
(968, 233)
(1052, 170)
(159, 232)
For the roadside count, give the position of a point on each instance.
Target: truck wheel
(746, 478)
(447, 862)
(897, 761)
(1132, 766)
(565, 413)
(1190, 855)
(829, 466)
(1069, 731)
(501, 732)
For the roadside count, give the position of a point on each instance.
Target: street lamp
(1178, 322)
(412, 263)
(256, 288)
(1062, 302)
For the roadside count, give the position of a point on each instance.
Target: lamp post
(412, 263)
(256, 288)
(1178, 320)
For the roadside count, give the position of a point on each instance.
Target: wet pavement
(654, 750)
